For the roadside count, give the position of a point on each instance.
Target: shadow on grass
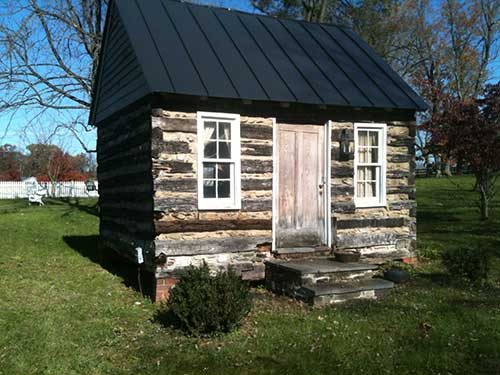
(130, 274)
(167, 318)
(76, 203)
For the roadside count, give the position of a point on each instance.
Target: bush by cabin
(246, 140)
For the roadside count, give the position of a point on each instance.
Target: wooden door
(301, 186)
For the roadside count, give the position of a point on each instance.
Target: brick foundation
(162, 288)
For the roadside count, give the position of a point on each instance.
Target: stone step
(321, 295)
(302, 252)
(286, 276)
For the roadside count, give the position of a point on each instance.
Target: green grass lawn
(64, 310)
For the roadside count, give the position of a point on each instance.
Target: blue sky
(11, 125)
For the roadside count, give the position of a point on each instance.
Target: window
(369, 164)
(218, 161)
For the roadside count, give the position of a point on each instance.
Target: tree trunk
(484, 193)
(447, 168)
(484, 204)
(460, 165)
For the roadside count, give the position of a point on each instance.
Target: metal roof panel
(190, 49)
(239, 72)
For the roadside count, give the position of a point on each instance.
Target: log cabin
(245, 140)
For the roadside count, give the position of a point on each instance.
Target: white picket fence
(66, 189)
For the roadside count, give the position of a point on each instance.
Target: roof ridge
(234, 10)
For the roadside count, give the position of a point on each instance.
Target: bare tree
(471, 30)
(48, 54)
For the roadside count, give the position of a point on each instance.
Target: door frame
(327, 191)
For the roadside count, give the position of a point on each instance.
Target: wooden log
(176, 204)
(122, 225)
(400, 189)
(256, 166)
(143, 158)
(140, 150)
(170, 124)
(397, 173)
(126, 196)
(256, 205)
(210, 225)
(399, 158)
(403, 142)
(402, 205)
(342, 171)
(209, 246)
(256, 149)
(344, 207)
(124, 123)
(135, 214)
(251, 131)
(136, 188)
(125, 180)
(175, 147)
(122, 169)
(342, 190)
(386, 222)
(256, 184)
(140, 135)
(179, 185)
(173, 166)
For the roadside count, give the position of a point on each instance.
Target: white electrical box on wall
(140, 257)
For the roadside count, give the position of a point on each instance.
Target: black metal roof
(183, 48)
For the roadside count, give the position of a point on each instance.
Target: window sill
(370, 204)
(207, 207)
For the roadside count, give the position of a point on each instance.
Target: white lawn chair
(36, 192)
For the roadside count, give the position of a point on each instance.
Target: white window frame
(234, 201)
(380, 199)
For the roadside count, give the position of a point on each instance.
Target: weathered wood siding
(378, 233)
(125, 182)
(186, 235)
(121, 79)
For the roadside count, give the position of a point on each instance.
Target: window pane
(210, 150)
(208, 170)
(361, 189)
(361, 173)
(224, 150)
(370, 173)
(223, 189)
(209, 130)
(223, 170)
(374, 155)
(225, 131)
(367, 173)
(371, 189)
(374, 138)
(208, 189)
(363, 155)
(363, 138)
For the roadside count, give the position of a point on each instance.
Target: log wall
(185, 235)
(377, 233)
(125, 183)
(148, 193)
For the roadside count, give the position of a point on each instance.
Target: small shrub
(203, 304)
(428, 252)
(472, 264)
